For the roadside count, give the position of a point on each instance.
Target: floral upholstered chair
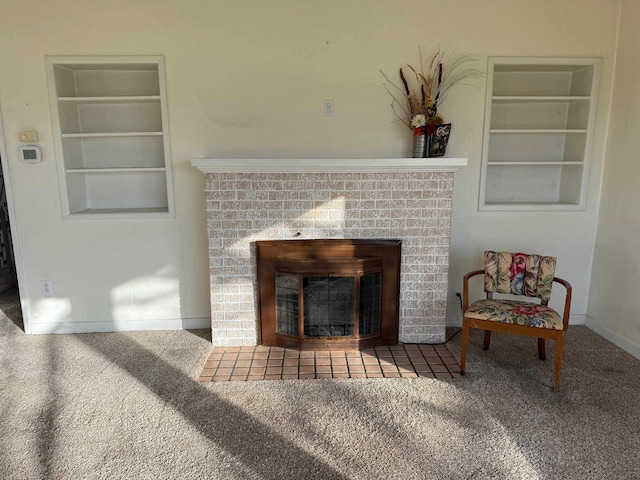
(517, 274)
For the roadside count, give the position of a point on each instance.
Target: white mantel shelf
(327, 165)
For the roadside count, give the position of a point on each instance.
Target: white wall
(614, 302)
(248, 79)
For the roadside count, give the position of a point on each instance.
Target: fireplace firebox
(323, 294)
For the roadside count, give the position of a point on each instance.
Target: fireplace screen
(329, 305)
(319, 293)
(370, 297)
(287, 303)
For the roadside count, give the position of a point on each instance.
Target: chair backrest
(525, 274)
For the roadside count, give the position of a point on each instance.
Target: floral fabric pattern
(516, 273)
(515, 312)
(531, 273)
(490, 271)
(504, 271)
(519, 274)
(545, 278)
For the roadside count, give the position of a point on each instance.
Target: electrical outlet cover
(46, 288)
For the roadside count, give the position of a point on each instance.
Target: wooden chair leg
(465, 343)
(487, 339)
(558, 366)
(542, 354)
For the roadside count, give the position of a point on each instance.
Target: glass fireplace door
(331, 306)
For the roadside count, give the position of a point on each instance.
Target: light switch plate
(329, 110)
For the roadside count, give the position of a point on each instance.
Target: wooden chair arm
(465, 288)
(567, 301)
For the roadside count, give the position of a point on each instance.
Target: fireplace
(328, 293)
(249, 200)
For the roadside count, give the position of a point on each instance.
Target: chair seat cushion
(513, 311)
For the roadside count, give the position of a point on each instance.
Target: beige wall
(614, 302)
(248, 79)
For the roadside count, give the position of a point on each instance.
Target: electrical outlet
(457, 297)
(46, 288)
(328, 108)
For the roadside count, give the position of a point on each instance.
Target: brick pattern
(275, 363)
(412, 206)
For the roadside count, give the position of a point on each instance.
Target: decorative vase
(438, 140)
(419, 144)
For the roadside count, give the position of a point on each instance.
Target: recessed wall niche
(111, 136)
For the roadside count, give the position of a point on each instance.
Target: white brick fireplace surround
(277, 199)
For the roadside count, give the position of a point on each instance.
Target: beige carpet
(127, 405)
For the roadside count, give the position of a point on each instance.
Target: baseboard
(121, 326)
(615, 338)
(574, 319)
(454, 321)
(577, 319)
(195, 323)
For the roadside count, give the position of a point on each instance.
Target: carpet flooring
(127, 405)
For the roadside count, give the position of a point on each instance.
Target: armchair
(524, 275)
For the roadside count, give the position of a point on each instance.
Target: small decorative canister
(419, 144)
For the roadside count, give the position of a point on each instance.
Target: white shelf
(538, 130)
(118, 99)
(111, 135)
(539, 121)
(539, 98)
(530, 206)
(93, 211)
(116, 170)
(100, 214)
(525, 163)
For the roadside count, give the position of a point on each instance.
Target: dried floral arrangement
(416, 103)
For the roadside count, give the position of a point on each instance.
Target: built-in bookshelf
(111, 136)
(539, 123)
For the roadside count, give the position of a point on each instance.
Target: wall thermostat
(30, 153)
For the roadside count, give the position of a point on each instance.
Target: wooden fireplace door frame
(270, 253)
